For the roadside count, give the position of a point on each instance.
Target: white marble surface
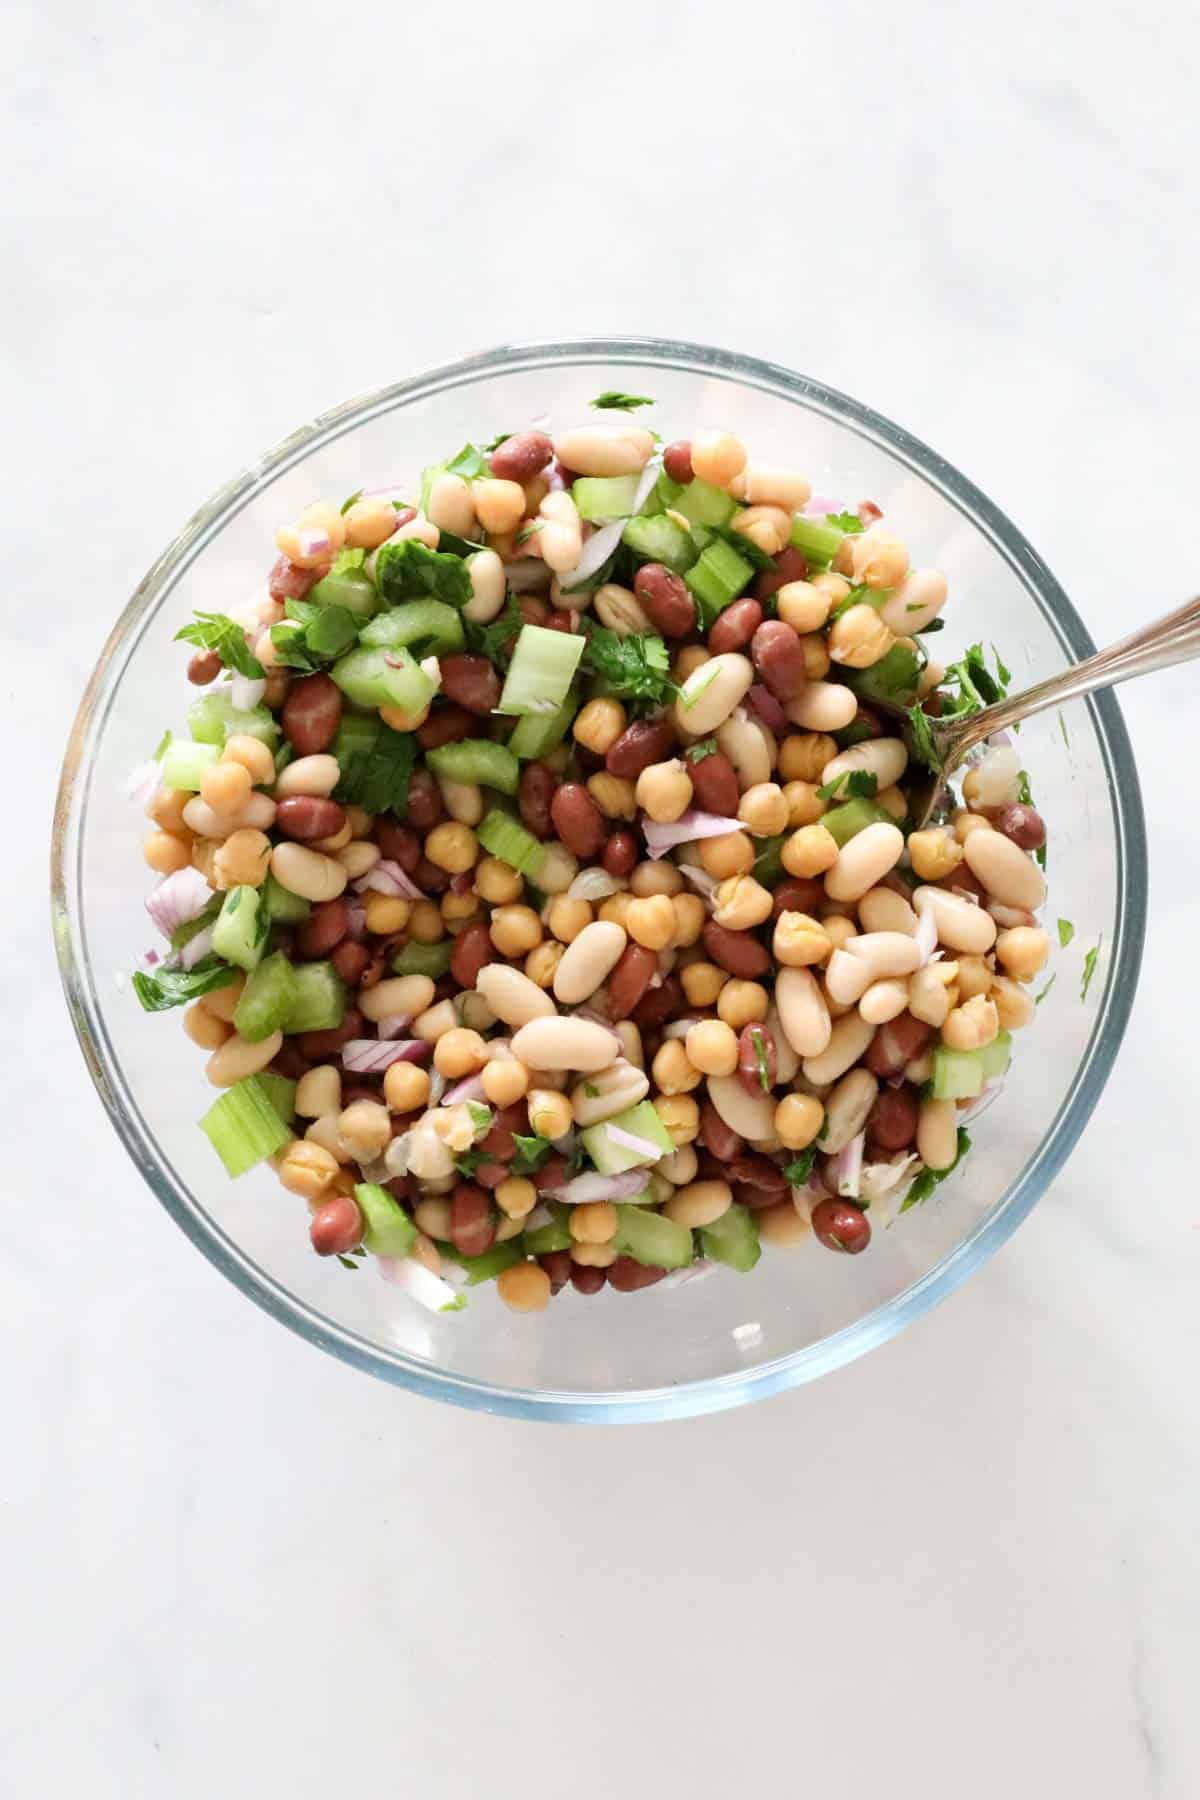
(965, 1566)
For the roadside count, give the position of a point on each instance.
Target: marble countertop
(964, 1565)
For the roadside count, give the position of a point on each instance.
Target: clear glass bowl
(726, 1338)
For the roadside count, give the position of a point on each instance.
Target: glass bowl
(726, 1338)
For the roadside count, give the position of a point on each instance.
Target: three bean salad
(539, 876)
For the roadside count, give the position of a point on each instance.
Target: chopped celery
(213, 718)
(612, 1157)
(605, 496)
(535, 734)
(818, 542)
(281, 1093)
(732, 1239)
(424, 959)
(665, 494)
(487, 1266)
(476, 760)
(244, 1125)
(661, 540)
(241, 928)
(350, 589)
(704, 505)
(384, 678)
(540, 673)
(184, 764)
(957, 1074)
(846, 821)
(718, 576)
(894, 677)
(652, 1239)
(283, 907)
(996, 1056)
(387, 1228)
(554, 1236)
(266, 999)
(503, 836)
(318, 1001)
(432, 620)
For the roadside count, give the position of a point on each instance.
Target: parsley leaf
(410, 570)
(471, 462)
(637, 668)
(163, 742)
(495, 641)
(325, 634)
(458, 1304)
(469, 1161)
(922, 742)
(976, 686)
(799, 1170)
(353, 500)
(1038, 998)
(591, 1090)
(851, 784)
(1066, 931)
(848, 522)
(697, 752)
(175, 987)
(217, 631)
(1089, 967)
(377, 777)
(501, 438)
(531, 1154)
(928, 1179)
(612, 401)
(760, 1057)
(862, 595)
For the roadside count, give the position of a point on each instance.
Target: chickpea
(803, 606)
(655, 878)
(369, 523)
(204, 1028)
(616, 798)
(933, 853)
(809, 852)
(672, 1070)
(679, 1116)
(452, 846)
(307, 1169)
(805, 805)
(515, 930)
(499, 505)
(459, 1053)
(741, 903)
(803, 755)
(838, 928)
(967, 822)
(550, 1114)
(593, 1256)
(730, 854)
(972, 1025)
(165, 808)
(541, 965)
(702, 983)
(360, 821)
(859, 638)
(1022, 951)
(717, 457)
(798, 1119)
(742, 1003)
(893, 801)
(425, 923)
(767, 526)
(525, 1287)
(681, 1166)
(226, 787)
(799, 942)
(567, 918)
(763, 809)
(599, 724)
(975, 975)
(688, 660)
(385, 915)
(406, 1087)
(651, 922)
(242, 860)
(831, 583)
(615, 910)
(712, 1047)
(878, 559)
(496, 883)
(816, 655)
(664, 791)
(516, 1197)
(505, 1080)
(456, 909)
(166, 852)
(689, 919)
(1014, 1007)
(595, 1222)
(365, 1129)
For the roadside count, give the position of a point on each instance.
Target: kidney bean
(490, 1174)
(759, 1172)
(840, 1225)
(325, 927)
(204, 667)
(627, 1276)
(471, 682)
(398, 844)
(677, 460)
(778, 655)
(665, 598)
(720, 1139)
(448, 725)
(790, 565)
(472, 1227)
(289, 1062)
(508, 1119)
(377, 962)
(535, 791)
(865, 724)
(472, 949)
(560, 621)
(304, 816)
(963, 881)
(656, 1006)
(552, 1174)
(402, 1187)
(931, 706)
(336, 1227)
(757, 1199)
(714, 785)
(735, 627)
(644, 742)
(799, 893)
(578, 820)
(896, 1043)
(361, 1089)
(424, 801)
(311, 714)
(756, 1042)
(288, 581)
(430, 878)
(892, 1121)
(318, 1045)
(444, 988)
(629, 980)
(350, 960)
(558, 1266)
(620, 853)
(585, 1279)
(532, 610)
(868, 512)
(522, 456)
(737, 952)
(1022, 825)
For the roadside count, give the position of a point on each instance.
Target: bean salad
(538, 872)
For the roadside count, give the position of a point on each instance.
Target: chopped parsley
(922, 742)
(531, 1153)
(637, 668)
(163, 742)
(495, 641)
(1038, 998)
(851, 784)
(377, 777)
(697, 752)
(348, 562)
(307, 641)
(848, 522)
(471, 462)
(458, 1304)
(612, 401)
(217, 631)
(591, 1090)
(760, 1057)
(1062, 726)
(501, 438)
(469, 1161)
(976, 686)
(1089, 967)
(353, 500)
(799, 1170)
(862, 595)
(1066, 931)
(928, 1179)
(166, 988)
(481, 1116)
(410, 570)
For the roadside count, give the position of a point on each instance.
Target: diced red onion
(437, 1087)
(819, 506)
(600, 546)
(418, 1282)
(565, 1144)
(388, 878)
(1000, 737)
(700, 878)
(196, 947)
(767, 707)
(356, 919)
(396, 1154)
(315, 543)
(695, 1271)
(142, 784)
(629, 1140)
(367, 1056)
(541, 1215)
(392, 493)
(246, 691)
(926, 934)
(149, 958)
(470, 1089)
(869, 513)
(846, 1173)
(394, 1025)
(178, 899)
(594, 884)
(585, 1188)
(690, 826)
(679, 1028)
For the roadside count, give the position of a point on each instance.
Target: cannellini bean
(512, 996)
(960, 925)
(929, 993)
(604, 449)
(848, 1041)
(236, 1058)
(847, 978)
(884, 1000)
(802, 1011)
(1009, 873)
(559, 1043)
(749, 746)
(588, 960)
(451, 507)
(308, 775)
(435, 1022)
(885, 953)
(760, 484)
(397, 996)
(885, 758)
(750, 1115)
(487, 587)
(258, 814)
(608, 1092)
(787, 1063)
(823, 706)
(307, 873)
(864, 861)
(882, 910)
(560, 540)
(995, 778)
(916, 602)
(937, 1133)
(709, 696)
(846, 1109)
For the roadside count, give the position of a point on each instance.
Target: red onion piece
(868, 512)
(926, 934)
(601, 1187)
(640, 1146)
(394, 1025)
(687, 828)
(388, 878)
(196, 947)
(700, 879)
(820, 506)
(470, 1089)
(178, 899)
(418, 1282)
(315, 543)
(142, 784)
(767, 707)
(846, 1172)
(601, 544)
(367, 1056)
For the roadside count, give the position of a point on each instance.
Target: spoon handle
(1175, 638)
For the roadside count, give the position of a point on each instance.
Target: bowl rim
(710, 1394)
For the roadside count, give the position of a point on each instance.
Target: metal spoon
(1175, 638)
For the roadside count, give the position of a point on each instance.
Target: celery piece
(266, 999)
(554, 1236)
(241, 928)
(487, 1266)
(350, 589)
(661, 540)
(717, 577)
(423, 959)
(478, 761)
(613, 1158)
(732, 1239)
(283, 907)
(535, 734)
(605, 496)
(541, 671)
(431, 620)
(894, 677)
(244, 1125)
(503, 836)
(281, 1093)
(185, 764)
(846, 821)
(818, 542)
(383, 678)
(652, 1239)
(387, 1228)
(318, 1000)
(704, 505)
(665, 494)
(213, 718)
(957, 1074)
(996, 1056)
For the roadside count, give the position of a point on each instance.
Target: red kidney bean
(735, 627)
(677, 460)
(578, 820)
(425, 807)
(448, 725)
(757, 1199)
(737, 952)
(718, 1138)
(840, 1225)
(778, 655)
(635, 968)
(895, 1044)
(620, 853)
(472, 950)
(535, 791)
(463, 882)
(892, 1121)
(665, 597)
(311, 714)
(351, 960)
(304, 817)
(714, 785)
(522, 456)
(868, 512)
(790, 565)
(472, 1227)
(558, 1266)
(627, 1276)
(471, 682)
(361, 1089)
(430, 878)
(865, 724)
(490, 1174)
(560, 621)
(656, 1006)
(758, 1172)
(402, 1187)
(799, 893)
(288, 581)
(377, 962)
(1022, 826)
(336, 1227)
(318, 1045)
(289, 1062)
(508, 1119)
(204, 667)
(585, 1279)
(644, 742)
(756, 1048)
(552, 1174)
(931, 706)
(963, 881)
(324, 928)
(398, 844)
(532, 610)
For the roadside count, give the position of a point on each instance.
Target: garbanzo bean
(515, 930)
(742, 1003)
(599, 724)
(702, 983)
(689, 919)
(804, 804)
(549, 1113)
(245, 856)
(452, 846)
(798, 1119)
(307, 1169)
(972, 1025)
(406, 1087)
(672, 1070)
(496, 883)
(516, 1197)
(386, 915)
(505, 1081)
(712, 1047)
(741, 903)
(803, 755)
(567, 918)
(1022, 951)
(934, 852)
(595, 1222)
(803, 606)
(764, 810)
(679, 1116)
(859, 638)
(616, 797)
(800, 941)
(226, 787)
(732, 853)
(664, 791)
(541, 965)
(525, 1287)
(425, 925)
(167, 851)
(651, 921)
(459, 1053)
(717, 457)
(809, 851)
(655, 878)
(253, 755)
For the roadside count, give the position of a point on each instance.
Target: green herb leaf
(471, 462)
(320, 635)
(1089, 967)
(217, 631)
(1066, 931)
(531, 1153)
(1062, 726)
(862, 595)
(183, 934)
(933, 625)
(481, 1116)
(355, 497)
(848, 522)
(410, 570)
(377, 778)
(591, 1090)
(800, 1168)
(496, 641)
(697, 752)
(469, 1161)
(612, 401)
(760, 1057)
(923, 743)
(1004, 673)
(637, 668)
(346, 1261)
(458, 1304)
(497, 441)
(928, 1179)
(163, 741)
(851, 784)
(1038, 998)
(160, 991)
(975, 685)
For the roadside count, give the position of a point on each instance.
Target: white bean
(308, 775)
(960, 925)
(885, 758)
(258, 813)
(882, 910)
(560, 540)
(307, 873)
(750, 747)
(451, 507)
(512, 996)
(608, 1092)
(787, 1063)
(847, 978)
(588, 960)
(487, 587)
(1005, 870)
(864, 861)
(750, 1115)
(761, 484)
(802, 1011)
(846, 1109)
(823, 706)
(848, 1041)
(937, 1133)
(885, 953)
(709, 695)
(236, 1058)
(604, 449)
(560, 1043)
(928, 994)
(319, 1092)
(884, 1000)
(916, 602)
(398, 996)
(435, 1021)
